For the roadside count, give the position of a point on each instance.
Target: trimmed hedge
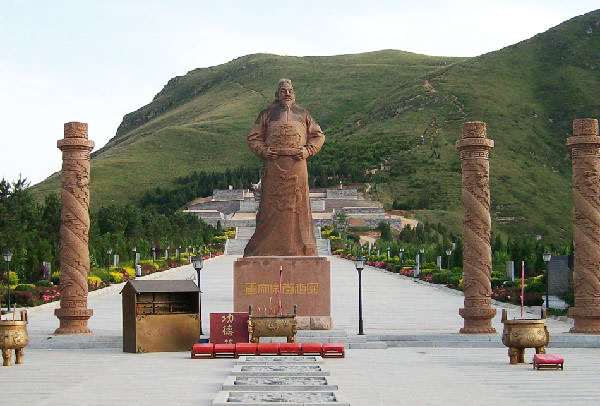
(25, 287)
(44, 284)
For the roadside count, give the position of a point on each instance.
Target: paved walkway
(433, 371)
(392, 304)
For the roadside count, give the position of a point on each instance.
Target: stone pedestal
(474, 148)
(585, 151)
(75, 224)
(305, 283)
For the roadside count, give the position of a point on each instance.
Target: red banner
(229, 328)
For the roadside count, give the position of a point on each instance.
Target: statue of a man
(284, 136)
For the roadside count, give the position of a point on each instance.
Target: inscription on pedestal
(305, 283)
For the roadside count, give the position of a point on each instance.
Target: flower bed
(35, 297)
(28, 295)
(502, 290)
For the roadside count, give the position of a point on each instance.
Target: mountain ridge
(382, 109)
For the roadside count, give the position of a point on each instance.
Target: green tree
(385, 230)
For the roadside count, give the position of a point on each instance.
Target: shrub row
(30, 295)
(502, 289)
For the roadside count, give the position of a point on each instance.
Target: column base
(73, 321)
(478, 320)
(587, 320)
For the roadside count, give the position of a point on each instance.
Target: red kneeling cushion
(245, 348)
(312, 348)
(333, 350)
(224, 349)
(289, 348)
(548, 359)
(268, 348)
(203, 350)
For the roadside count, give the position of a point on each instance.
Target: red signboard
(229, 328)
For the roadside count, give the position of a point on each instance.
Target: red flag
(279, 293)
(522, 286)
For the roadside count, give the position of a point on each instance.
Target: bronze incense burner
(519, 334)
(284, 325)
(13, 335)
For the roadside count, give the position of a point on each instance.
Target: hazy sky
(95, 61)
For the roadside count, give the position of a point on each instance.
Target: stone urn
(13, 335)
(519, 334)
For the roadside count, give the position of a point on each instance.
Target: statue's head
(285, 93)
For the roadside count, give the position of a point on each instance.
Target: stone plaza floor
(412, 353)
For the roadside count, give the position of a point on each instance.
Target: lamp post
(7, 258)
(108, 252)
(359, 262)
(420, 258)
(388, 252)
(198, 263)
(546, 256)
(134, 252)
(153, 254)
(402, 256)
(448, 253)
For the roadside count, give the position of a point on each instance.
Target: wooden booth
(160, 315)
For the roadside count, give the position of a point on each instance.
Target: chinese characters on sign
(286, 289)
(170, 331)
(228, 328)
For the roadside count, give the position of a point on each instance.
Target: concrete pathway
(433, 372)
(392, 304)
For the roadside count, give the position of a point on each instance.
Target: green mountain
(396, 112)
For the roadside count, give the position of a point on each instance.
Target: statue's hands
(302, 154)
(270, 154)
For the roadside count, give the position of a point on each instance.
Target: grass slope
(528, 94)
(200, 121)
(377, 108)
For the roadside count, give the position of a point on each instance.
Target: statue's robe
(284, 223)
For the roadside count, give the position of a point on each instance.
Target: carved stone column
(585, 150)
(75, 224)
(474, 148)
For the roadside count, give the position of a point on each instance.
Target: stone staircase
(279, 380)
(351, 340)
(323, 247)
(243, 235)
(236, 246)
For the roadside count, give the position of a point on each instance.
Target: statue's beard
(288, 103)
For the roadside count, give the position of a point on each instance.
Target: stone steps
(323, 247)
(63, 342)
(236, 246)
(99, 339)
(244, 232)
(289, 380)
